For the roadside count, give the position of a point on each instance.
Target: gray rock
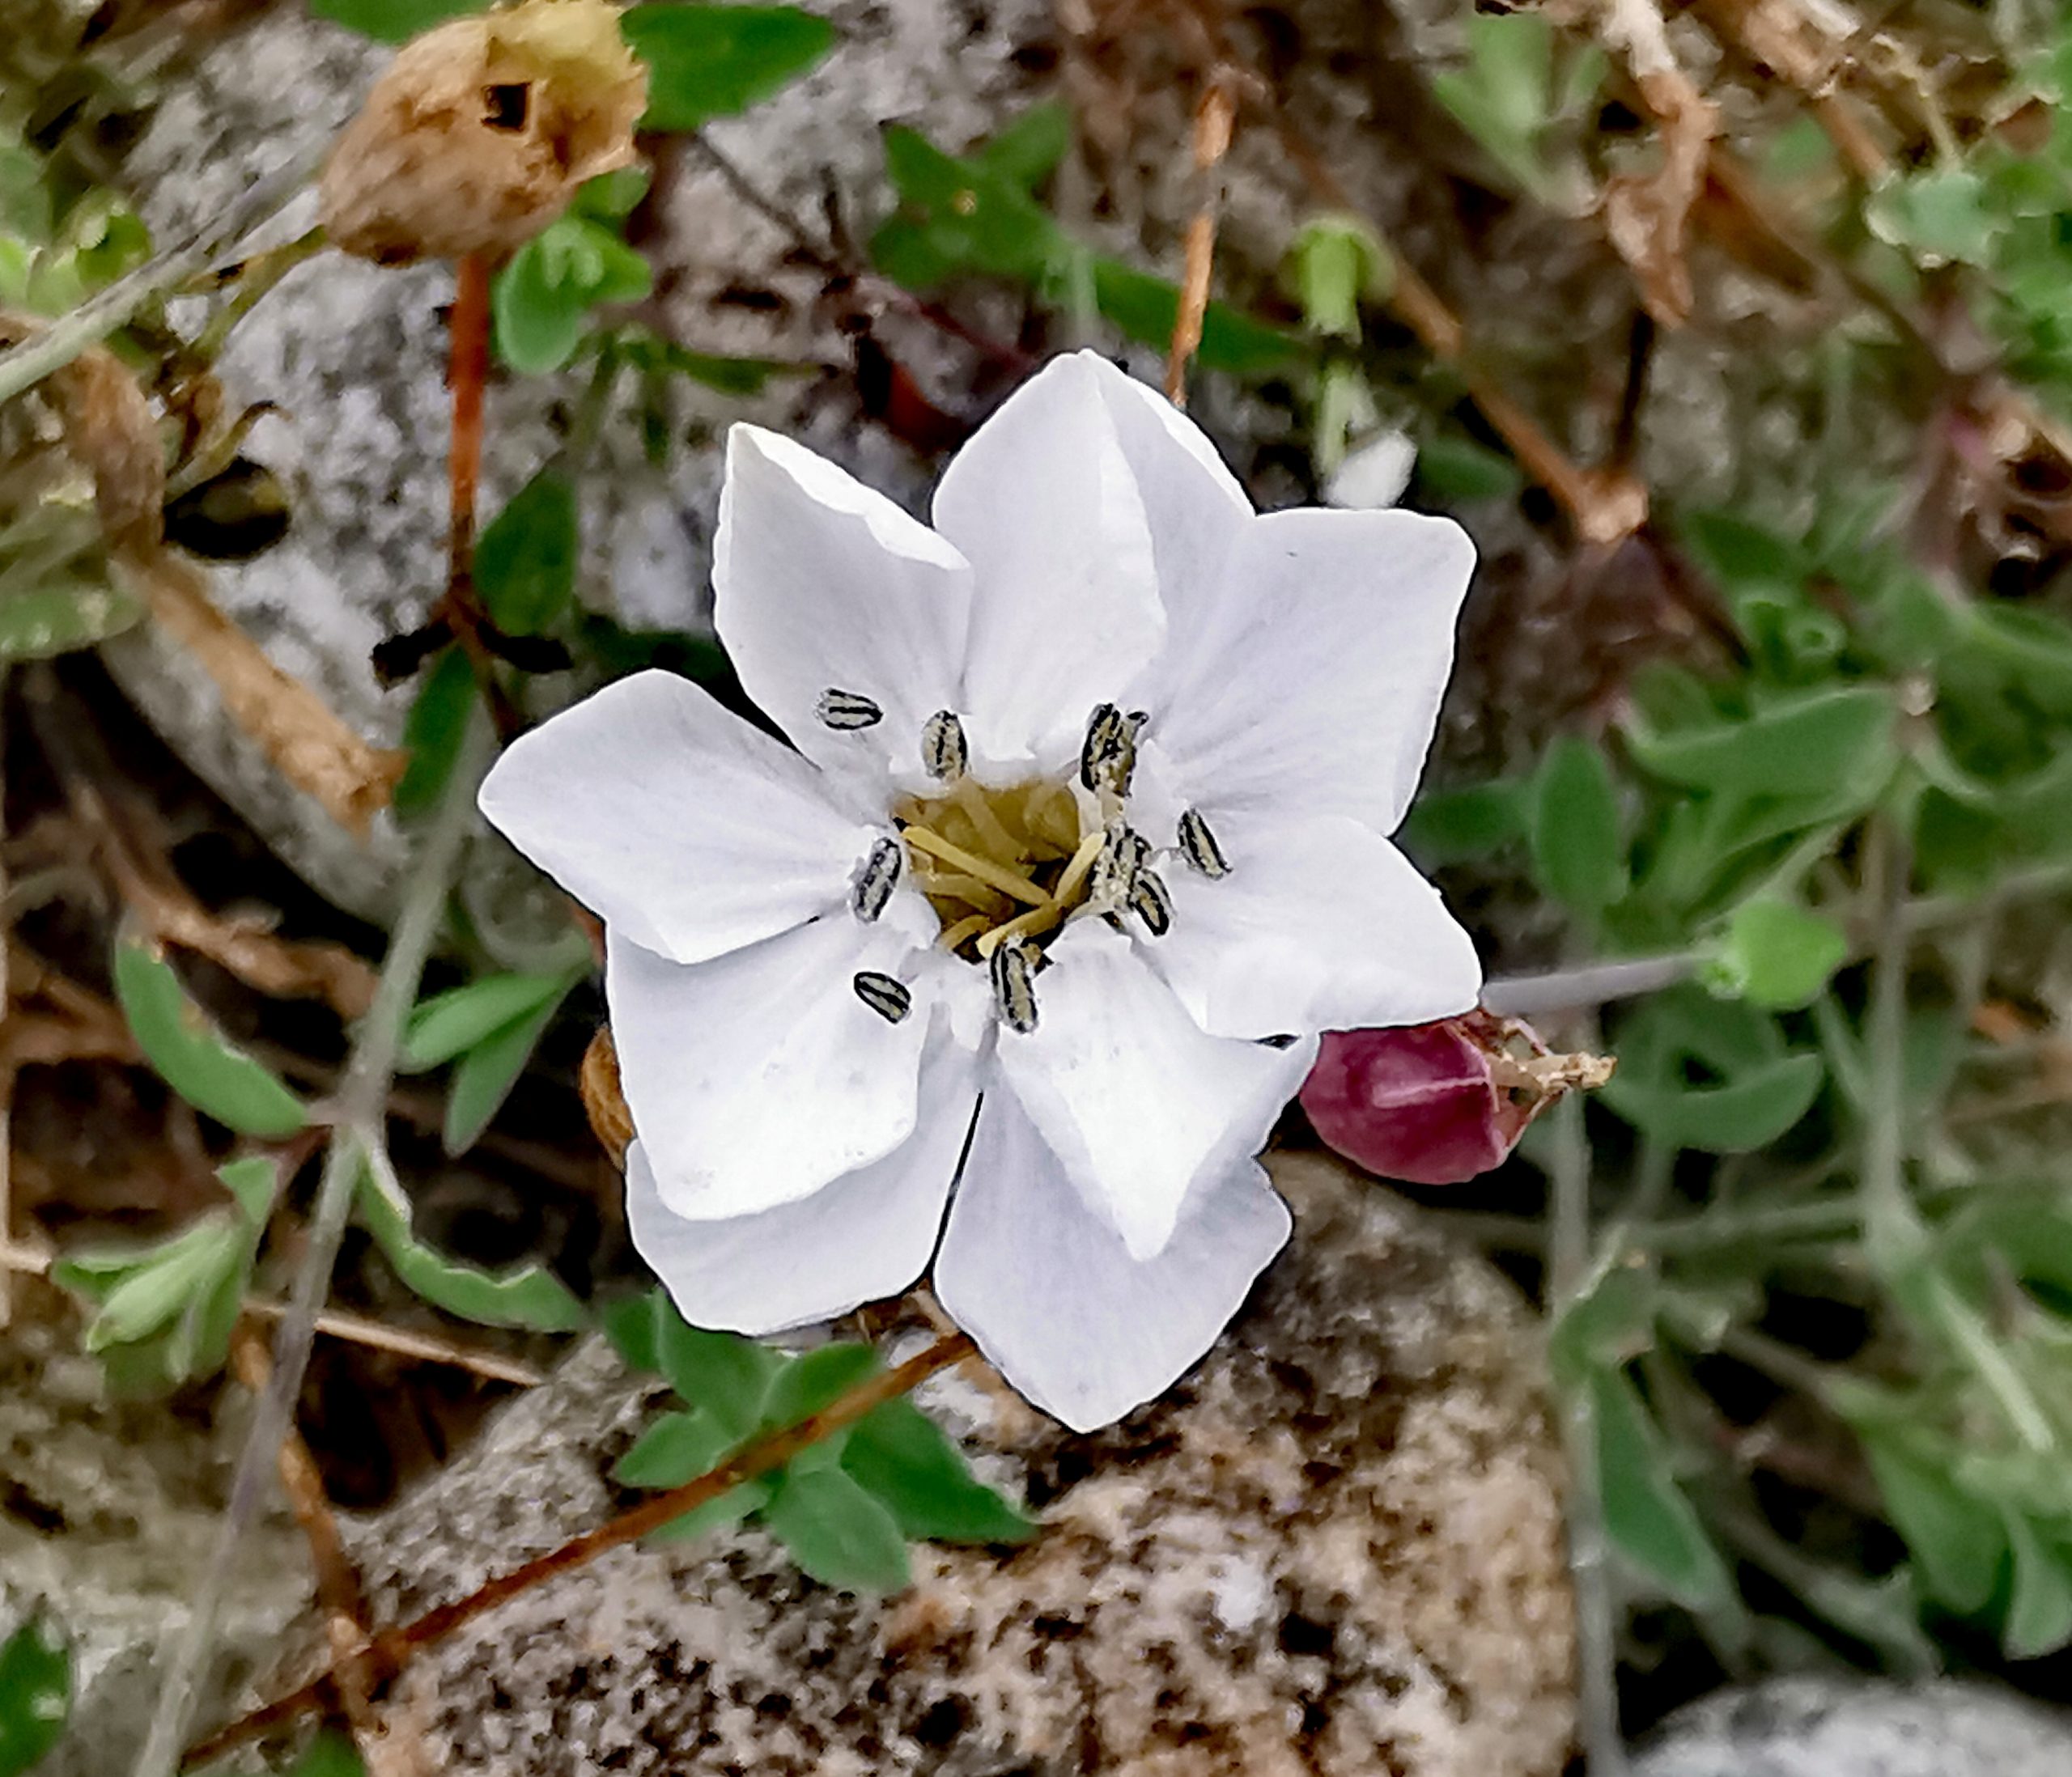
(107, 1513)
(1828, 1727)
(1334, 1547)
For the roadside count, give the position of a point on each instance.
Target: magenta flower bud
(1437, 1103)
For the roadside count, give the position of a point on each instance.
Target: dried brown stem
(390, 1648)
(337, 1584)
(1214, 115)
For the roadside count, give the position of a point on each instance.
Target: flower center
(999, 864)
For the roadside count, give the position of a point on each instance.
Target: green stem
(1590, 1563)
(361, 1103)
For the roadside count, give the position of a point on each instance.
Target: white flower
(1082, 845)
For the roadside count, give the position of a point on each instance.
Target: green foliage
(194, 1059)
(525, 559)
(489, 1029)
(1716, 1075)
(1578, 844)
(64, 612)
(1511, 95)
(541, 300)
(432, 734)
(707, 61)
(394, 21)
(57, 248)
(526, 1296)
(1776, 955)
(845, 1506)
(976, 215)
(36, 1694)
(164, 1312)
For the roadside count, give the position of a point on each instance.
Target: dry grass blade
(307, 743)
(1215, 117)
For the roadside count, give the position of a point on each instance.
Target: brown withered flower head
(477, 134)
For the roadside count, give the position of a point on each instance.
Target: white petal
(1192, 502)
(1054, 1298)
(757, 1078)
(1321, 925)
(688, 831)
(1307, 679)
(1043, 503)
(820, 583)
(866, 1235)
(1135, 1100)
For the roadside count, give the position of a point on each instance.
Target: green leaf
(525, 562)
(1452, 468)
(744, 376)
(1334, 263)
(1806, 744)
(1939, 216)
(36, 1694)
(394, 21)
(163, 1288)
(328, 1755)
(2040, 1613)
(440, 1027)
(69, 613)
(1145, 308)
(487, 1072)
(1737, 553)
(253, 1181)
(816, 1379)
(707, 61)
(1696, 1072)
(1447, 826)
(837, 1533)
(898, 1453)
(1028, 151)
(723, 1513)
(528, 1295)
(191, 1054)
(1578, 850)
(1957, 1543)
(541, 300)
(678, 1447)
(1776, 955)
(726, 1375)
(432, 734)
(629, 1323)
(1646, 1513)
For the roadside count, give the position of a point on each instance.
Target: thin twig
(391, 1647)
(1593, 984)
(25, 365)
(1214, 117)
(361, 1101)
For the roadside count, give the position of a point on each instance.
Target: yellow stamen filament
(994, 836)
(968, 888)
(1028, 925)
(968, 927)
(1082, 862)
(996, 876)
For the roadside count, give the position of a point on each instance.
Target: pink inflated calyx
(1437, 1104)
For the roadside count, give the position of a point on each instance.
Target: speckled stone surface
(1819, 1727)
(1334, 1548)
(107, 1513)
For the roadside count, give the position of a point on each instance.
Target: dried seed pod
(477, 134)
